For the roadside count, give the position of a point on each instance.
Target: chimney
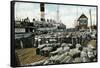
(42, 10)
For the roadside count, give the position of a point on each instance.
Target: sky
(68, 14)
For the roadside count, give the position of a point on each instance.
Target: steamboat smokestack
(42, 10)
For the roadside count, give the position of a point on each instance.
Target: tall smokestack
(42, 10)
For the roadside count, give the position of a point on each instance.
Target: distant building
(83, 22)
(17, 22)
(94, 26)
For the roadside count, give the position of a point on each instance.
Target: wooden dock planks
(28, 55)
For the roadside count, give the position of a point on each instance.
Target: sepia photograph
(54, 33)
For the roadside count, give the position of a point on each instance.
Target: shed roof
(82, 16)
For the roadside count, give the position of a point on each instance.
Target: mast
(58, 18)
(76, 15)
(76, 22)
(90, 20)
